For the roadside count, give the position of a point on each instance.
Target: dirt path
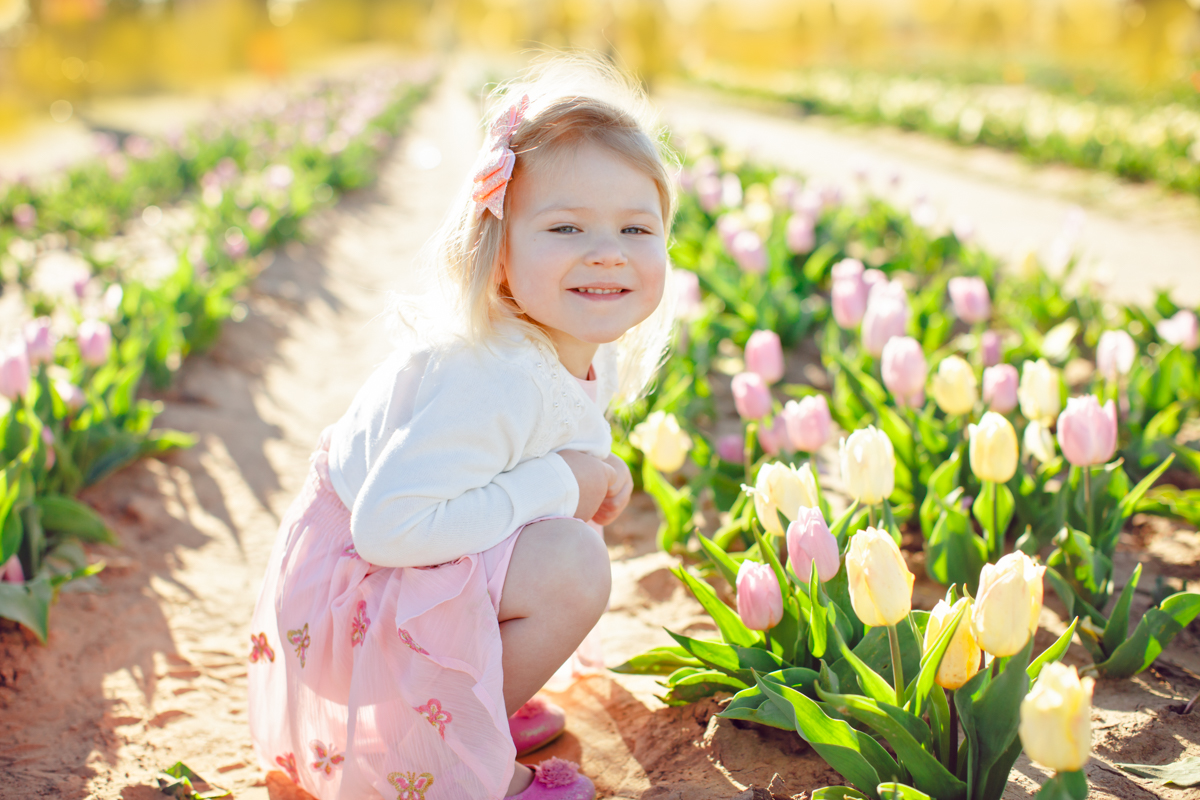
(1137, 237)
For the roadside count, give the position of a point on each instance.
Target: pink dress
(368, 681)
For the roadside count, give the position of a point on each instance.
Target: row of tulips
(105, 321)
(1161, 143)
(966, 456)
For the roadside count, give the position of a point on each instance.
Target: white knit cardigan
(446, 450)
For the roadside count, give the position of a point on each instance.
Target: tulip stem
(767, 634)
(912, 624)
(897, 666)
(953, 733)
(997, 534)
(871, 516)
(748, 449)
(1087, 500)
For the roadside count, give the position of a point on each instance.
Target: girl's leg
(556, 588)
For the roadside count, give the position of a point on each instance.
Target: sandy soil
(146, 664)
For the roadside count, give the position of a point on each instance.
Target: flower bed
(110, 301)
(949, 378)
(1159, 143)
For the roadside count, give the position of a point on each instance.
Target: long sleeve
(449, 480)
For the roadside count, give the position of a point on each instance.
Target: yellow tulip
(961, 660)
(1038, 392)
(665, 445)
(868, 465)
(993, 448)
(1008, 605)
(954, 386)
(880, 582)
(1056, 719)
(1039, 442)
(785, 489)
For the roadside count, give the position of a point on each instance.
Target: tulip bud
(94, 337)
(708, 192)
(69, 393)
(971, 300)
(800, 234)
(989, 348)
(749, 253)
(1039, 442)
(1115, 353)
(1056, 719)
(1009, 602)
(904, 371)
(660, 438)
(868, 465)
(731, 448)
(808, 422)
(809, 540)
(1039, 392)
(759, 599)
(751, 395)
(48, 440)
(887, 316)
(729, 225)
(39, 341)
(764, 355)
(783, 489)
(688, 302)
(993, 448)
(1181, 329)
(961, 659)
(1000, 388)
(772, 435)
(12, 572)
(954, 386)
(849, 294)
(1087, 431)
(880, 582)
(14, 370)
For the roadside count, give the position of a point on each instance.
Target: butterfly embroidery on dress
(435, 715)
(299, 639)
(359, 625)
(288, 763)
(325, 758)
(407, 638)
(411, 785)
(350, 552)
(261, 649)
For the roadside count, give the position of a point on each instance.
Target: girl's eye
(565, 228)
(636, 230)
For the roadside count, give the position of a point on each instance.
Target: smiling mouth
(593, 291)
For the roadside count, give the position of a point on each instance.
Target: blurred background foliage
(74, 51)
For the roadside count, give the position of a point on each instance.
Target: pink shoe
(536, 724)
(556, 779)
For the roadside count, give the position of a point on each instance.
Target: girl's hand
(620, 488)
(595, 479)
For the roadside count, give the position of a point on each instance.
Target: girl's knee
(567, 561)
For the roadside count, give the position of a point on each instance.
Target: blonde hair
(574, 100)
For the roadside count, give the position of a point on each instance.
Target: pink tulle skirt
(371, 681)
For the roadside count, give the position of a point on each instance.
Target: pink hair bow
(491, 181)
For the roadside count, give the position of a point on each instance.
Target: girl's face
(586, 251)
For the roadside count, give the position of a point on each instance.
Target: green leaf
(1065, 786)
(955, 554)
(816, 621)
(699, 685)
(657, 661)
(1054, 652)
(29, 604)
(873, 684)
(898, 791)
(982, 510)
(1130, 501)
(842, 523)
(751, 704)
(990, 718)
(834, 740)
(1118, 622)
(1185, 772)
(1152, 635)
(737, 662)
(721, 560)
(180, 781)
(941, 483)
(837, 793)
(69, 516)
(728, 622)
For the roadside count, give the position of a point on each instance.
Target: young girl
(438, 566)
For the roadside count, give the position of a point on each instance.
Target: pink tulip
(708, 192)
(873, 278)
(783, 190)
(729, 226)
(809, 203)
(12, 571)
(1000, 388)
(971, 300)
(48, 440)
(749, 253)
(759, 600)
(849, 294)
(1115, 353)
(1087, 431)
(94, 337)
(772, 435)
(39, 340)
(764, 355)
(687, 294)
(905, 370)
(886, 316)
(69, 393)
(809, 540)
(731, 448)
(707, 165)
(989, 348)
(1181, 329)
(14, 371)
(800, 235)
(259, 218)
(809, 424)
(24, 217)
(751, 395)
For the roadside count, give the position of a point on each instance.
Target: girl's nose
(606, 252)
